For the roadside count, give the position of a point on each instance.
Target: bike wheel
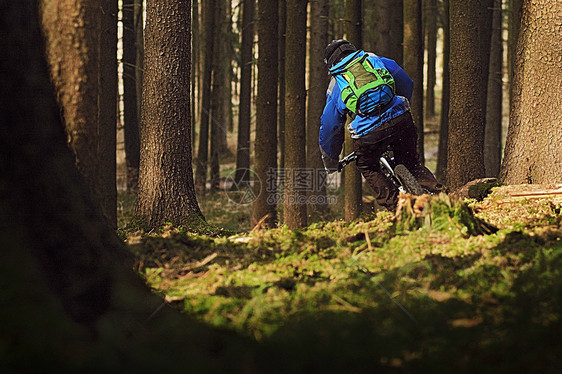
(408, 181)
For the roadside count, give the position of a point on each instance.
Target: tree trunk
(195, 71)
(493, 134)
(413, 64)
(203, 150)
(166, 192)
(107, 108)
(85, 88)
(228, 66)
(139, 65)
(431, 32)
(470, 56)
(515, 7)
(265, 159)
(69, 302)
(317, 83)
(282, 55)
(352, 183)
(387, 30)
(532, 152)
(218, 120)
(294, 208)
(441, 170)
(224, 67)
(244, 114)
(130, 114)
(56, 222)
(337, 19)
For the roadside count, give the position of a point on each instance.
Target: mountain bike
(398, 174)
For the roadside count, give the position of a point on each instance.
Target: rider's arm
(332, 128)
(404, 84)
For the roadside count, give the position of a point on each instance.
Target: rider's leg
(405, 151)
(368, 156)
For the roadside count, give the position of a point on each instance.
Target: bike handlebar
(346, 160)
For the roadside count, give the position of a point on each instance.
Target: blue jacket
(334, 116)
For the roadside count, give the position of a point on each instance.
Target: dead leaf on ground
(466, 322)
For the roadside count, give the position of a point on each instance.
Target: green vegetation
(435, 288)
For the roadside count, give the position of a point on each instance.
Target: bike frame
(387, 164)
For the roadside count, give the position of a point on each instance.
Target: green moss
(480, 190)
(430, 288)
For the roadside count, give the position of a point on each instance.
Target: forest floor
(443, 285)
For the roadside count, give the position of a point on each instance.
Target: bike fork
(389, 172)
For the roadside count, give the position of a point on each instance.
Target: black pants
(401, 133)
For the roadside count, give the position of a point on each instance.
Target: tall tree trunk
(195, 70)
(228, 66)
(203, 150)
(244, 113)
(68, 300)
(493, 134)
(282, 55)
(470, 56)
(431, 12)
(388, 28)
(353, 179)
(218, 121)
(317, 83)
(337, 19)
(130, 114)
(413, 64)
(441, 170)
(294, 208)
(55, 228)
(265, 159)
(514, 26)
(107, 109)
(73, 34)
(166, 192)
(532, 152)
(224, 67)
(139, 65)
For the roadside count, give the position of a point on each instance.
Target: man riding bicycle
(375, 92)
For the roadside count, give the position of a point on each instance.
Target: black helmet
(336, 50)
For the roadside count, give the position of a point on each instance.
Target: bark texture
(317, 83)
(69, 301)
(441, 170)
(244, 113)
(265, 148)
(139, 66)
(205, 118)
(387, 30)
(470, 54)
(107, 109)
(218, 89)
(294, 208)
(84, 88)
(130, 106)
(413, 64)
(533, 153)
(352, 176)
(50, 207)
(166, 192)
(494, 115)
(514, 26)
(431, 12)
(281, 111)
(195, 69)
(71, 29)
